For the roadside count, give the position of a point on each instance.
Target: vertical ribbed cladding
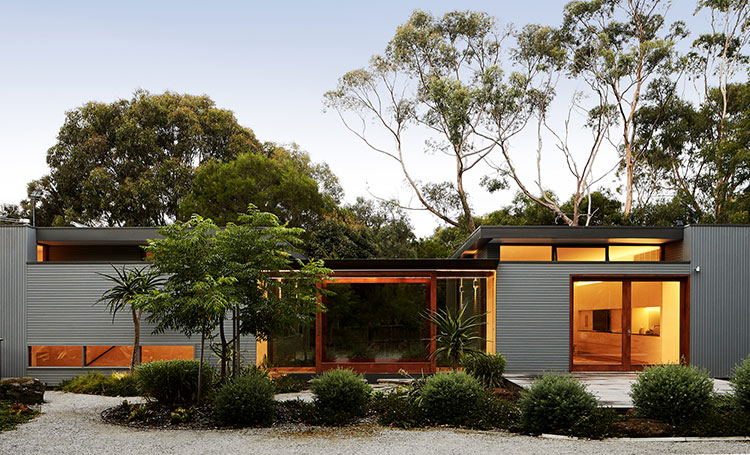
(14, 253)
(533, 308)
(719, 296)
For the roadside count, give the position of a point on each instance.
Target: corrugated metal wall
(61, 310)
(14, 252)
(533, 309)
(719, 296)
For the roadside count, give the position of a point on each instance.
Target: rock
(22, 390)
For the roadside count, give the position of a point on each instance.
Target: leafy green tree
(245, 270)
(130, 284)
(280, 181)
(130, 162)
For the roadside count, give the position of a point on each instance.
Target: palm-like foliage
(456, 334)
(129, 285)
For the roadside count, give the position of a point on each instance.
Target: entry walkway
(610, 388)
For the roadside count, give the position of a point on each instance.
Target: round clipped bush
(340, 396)
(555, 402)
(487, 368)
(674, 394)
(450, 398)
(245, 401)
(172, 382)
(741, 384)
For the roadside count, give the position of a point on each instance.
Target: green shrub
(598, 424)
(495, 413)
(450, 398)
(724, 417)
(341, 396)
(172, 382)
(674, 394)
(12, 415)
(95, 383)
(287, 383)
(741, 384)
(397, 409)
(296, 411)
(488, 368)
(554, 402)
(245, 401)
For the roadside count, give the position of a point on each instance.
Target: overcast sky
(269, 62)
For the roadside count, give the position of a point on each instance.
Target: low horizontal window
(581, 254)
(635, 253)
(102, 356)
(526, 253)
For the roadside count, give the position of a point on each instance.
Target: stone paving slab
(610, 388)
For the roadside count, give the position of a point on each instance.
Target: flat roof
(568, 235)
(96, 235)
(411, 264)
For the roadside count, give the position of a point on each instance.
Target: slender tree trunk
(135, 359)
(200, 367)
(629, 165)
(236, 364)
(224, 351)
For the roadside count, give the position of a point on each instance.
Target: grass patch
(12, 415)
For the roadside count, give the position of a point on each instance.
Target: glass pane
(635, 253)
(154, 353)
(55, 356)
(108, 356)
(597, 323)
(581, 254)
(376, 321)
(525, 253)
(655, 322)
(295, 350)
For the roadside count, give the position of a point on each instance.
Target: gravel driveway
(71, 425)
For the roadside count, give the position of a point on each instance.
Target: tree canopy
(129, 162)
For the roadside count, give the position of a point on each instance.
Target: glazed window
(525, 253)
(581, 254)
(55, 356)
(108, 356)
(635, 253)
(154, 353)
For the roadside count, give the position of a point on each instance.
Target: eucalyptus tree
(431, 85)
(130, 284)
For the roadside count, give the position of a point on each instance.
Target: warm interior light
(539, 253)
(635, 253)
(586, 283)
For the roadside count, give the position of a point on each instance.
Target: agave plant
(129, 284)
(456, 334)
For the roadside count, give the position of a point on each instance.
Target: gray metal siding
(61, 311)
(719, 296)
(14, 252)
(533, 309)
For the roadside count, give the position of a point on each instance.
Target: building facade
(551, 298)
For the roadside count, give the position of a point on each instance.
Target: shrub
(487, 368)
(450, 398)
(724, 417)
(296, 411)
(554, 402)
(95, 383)
(674, 394)
(173, 382)
(12, 415)
(397, 409)
(340, 396)
(495, 413)
(245, 401)
(598, 424)
(287, 383)
(741, 384)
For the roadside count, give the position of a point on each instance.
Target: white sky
(269, 62)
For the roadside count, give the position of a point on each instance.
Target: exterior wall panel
(16, 248)
(533, 308)
(61, 310)
(719, 296)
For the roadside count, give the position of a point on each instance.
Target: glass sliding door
(623, 324)
(655, 322)
(597, 323)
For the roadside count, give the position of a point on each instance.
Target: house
(553, 298)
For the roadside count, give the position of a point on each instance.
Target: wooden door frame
(627, 281)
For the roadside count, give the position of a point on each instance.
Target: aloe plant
(455, 334)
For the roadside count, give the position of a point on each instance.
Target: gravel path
(71, 425)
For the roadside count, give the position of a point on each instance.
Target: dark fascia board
(411, 264)
(96, 235)
(569, 235)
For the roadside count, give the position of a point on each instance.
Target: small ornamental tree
(129, 285)
(244, 271)
(456, 334)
